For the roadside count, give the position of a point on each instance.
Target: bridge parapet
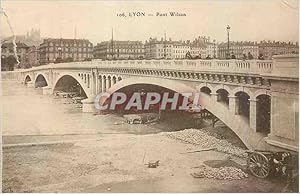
(231, 66)
(215, 65)
(286, 66)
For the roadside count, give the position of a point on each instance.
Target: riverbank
(116, 163)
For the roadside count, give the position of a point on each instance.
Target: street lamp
(165, 55)
(228, 30)
(150, 41)
(214, 48)
(59, 52)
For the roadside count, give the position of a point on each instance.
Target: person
(188, 55)
(244, 56)
(208, 57)
(232, 56)
(250, 56)
(261, 57)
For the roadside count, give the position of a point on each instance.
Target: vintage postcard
(149, 96)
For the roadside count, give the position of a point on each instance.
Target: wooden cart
(263, 163)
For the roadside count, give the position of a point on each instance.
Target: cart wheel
(258, 164)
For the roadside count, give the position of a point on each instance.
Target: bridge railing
(238, 66)
(230, 66)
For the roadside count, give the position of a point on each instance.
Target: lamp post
(165, 55)
(228, 52)
(59, 52)
(214, 48)
(150, 54)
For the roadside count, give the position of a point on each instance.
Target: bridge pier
(88, 105)
(252, 116)
(284, 102)
(109, 83)
(284, 120)
(214, 96)
(47, 90)
(100, 84)
(97, 83)
(30, 84)
(106, 84)
(92, 84)
(103, 84)
(233, 104)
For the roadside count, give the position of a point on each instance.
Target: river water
(25, 111)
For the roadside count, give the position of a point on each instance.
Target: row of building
(200, 48)
(49, 51)
(67, 50)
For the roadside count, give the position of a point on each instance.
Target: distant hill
(24, 39)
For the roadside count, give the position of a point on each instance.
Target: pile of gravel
(204, 139)
(222, 173)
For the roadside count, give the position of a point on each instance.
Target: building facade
(159, 49)
(65, 50)
(201, 47)
(119, 50)
(32, 57)
(180, 50)
(240, 50)
(267, 49)
(204, 48)
(211, 50)
(8, 56)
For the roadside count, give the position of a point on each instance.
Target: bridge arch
(178, 87)
(201, 85)
(205, 88)
(41, 80)
(243, 89)
(79, 80)
(27, 79)
(243, 103)
(260, 92)
(223, 96)
(263, 113)
(235, 122)
(225, 87)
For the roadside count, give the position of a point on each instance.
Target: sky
(251, 20)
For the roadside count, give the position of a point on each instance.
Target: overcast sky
(249, 20)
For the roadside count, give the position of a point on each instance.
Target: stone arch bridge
(257, 99)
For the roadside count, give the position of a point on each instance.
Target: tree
(8, 63)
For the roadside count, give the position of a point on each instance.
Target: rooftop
(11, 45)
